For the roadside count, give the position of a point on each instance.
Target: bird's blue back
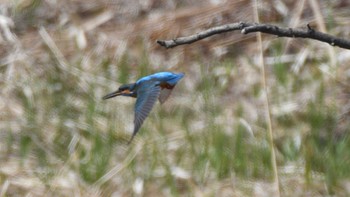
(168, 77)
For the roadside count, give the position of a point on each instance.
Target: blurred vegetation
(59, 138)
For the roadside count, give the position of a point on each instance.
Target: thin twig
(247, 28)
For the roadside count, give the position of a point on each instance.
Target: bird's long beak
(113, 94)
(116, 93)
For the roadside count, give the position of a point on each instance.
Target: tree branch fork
(247, 28)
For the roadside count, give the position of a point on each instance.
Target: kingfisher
(147, 90)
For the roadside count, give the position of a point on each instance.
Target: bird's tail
(132, 137)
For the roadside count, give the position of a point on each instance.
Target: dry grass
(58, 138)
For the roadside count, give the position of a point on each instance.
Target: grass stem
(268, 111)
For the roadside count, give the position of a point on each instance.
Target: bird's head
(123, 90)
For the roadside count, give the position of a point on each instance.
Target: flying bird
(147, 90)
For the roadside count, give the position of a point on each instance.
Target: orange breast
(166, 85)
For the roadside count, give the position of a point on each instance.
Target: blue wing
(147, 95)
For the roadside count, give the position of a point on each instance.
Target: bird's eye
(122, 88)
(126, 87)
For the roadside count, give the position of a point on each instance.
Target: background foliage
(58, 138)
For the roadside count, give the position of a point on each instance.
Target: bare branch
(247, 28)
